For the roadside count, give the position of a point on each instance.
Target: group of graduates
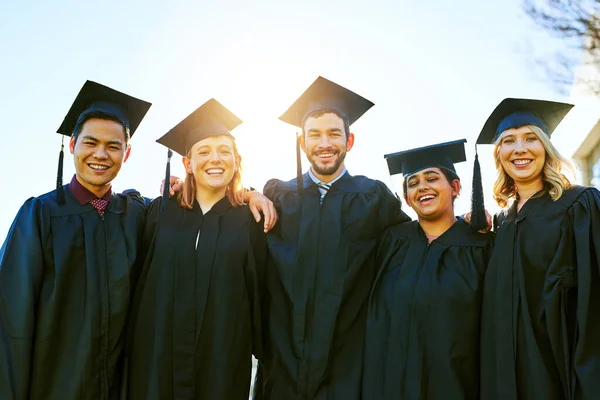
(334, 290)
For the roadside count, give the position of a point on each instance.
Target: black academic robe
(65, 280)
(540, 326)
(422, 340)
(196, 313)
(319, 275)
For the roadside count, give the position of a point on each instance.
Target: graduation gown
(65, 283)
(196, 315)
(540, 325)
(422, 340)
(319, 275)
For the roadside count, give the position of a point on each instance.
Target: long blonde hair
(235, 190)
(555, 181)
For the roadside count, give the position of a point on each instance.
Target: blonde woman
(196, 312)
(541, 302)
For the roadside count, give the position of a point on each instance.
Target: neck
(528, 189)
(98, 191)
(328, 178)
(207, 198)
(438, 226)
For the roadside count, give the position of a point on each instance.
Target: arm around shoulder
(390, 211)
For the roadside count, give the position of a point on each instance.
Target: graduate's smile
(215, 172)
(522, 162)
(99, 168)
(426, 199)
(326, 155)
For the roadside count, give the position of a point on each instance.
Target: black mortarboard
(441, 155)
(324, 94)
(210, 119)
(94, 97)
(514, 113)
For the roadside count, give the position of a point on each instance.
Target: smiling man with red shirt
(67, 265)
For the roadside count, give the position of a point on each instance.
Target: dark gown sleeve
(153, 210)
(270, 189)
(21, 271)
(134, 193)
(584, 244)
(390, 211)
(151, 225)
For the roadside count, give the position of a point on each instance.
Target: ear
(72, 144)
(406, 200)
(302, 143)
(186, 163)
(350, 142)
(455, 187)
(127, 151)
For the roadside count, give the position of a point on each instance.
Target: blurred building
(578, 137)
(587, 157)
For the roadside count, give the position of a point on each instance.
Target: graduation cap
(210, 119)
(324, 94)
(512, 113)
(441, 155)
(96, 98)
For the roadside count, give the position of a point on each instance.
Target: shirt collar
(316, 180)
(83, 195)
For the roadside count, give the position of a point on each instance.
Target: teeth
(99, 167)
(214, 171)
(325, 154)
(428, 197)
(521, 162)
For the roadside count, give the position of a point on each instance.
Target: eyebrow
(327, 130)
(220, 146)
(426, 173)
(88, 137)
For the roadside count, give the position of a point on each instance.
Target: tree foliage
(577, 25)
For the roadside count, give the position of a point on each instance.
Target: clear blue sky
(434, 69)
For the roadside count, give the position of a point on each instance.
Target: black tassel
(60, 194)
(167, 184)
(299, 179)
(478, 218)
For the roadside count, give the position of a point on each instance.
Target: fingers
(467, 217)
(274, 217)
(271, 216)
(255, 212)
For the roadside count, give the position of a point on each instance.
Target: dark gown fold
(422, 340)
(65, 286)
(319, 275)
(196, 317)
(540, 326)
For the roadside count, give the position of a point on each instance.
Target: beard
(326, 170)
